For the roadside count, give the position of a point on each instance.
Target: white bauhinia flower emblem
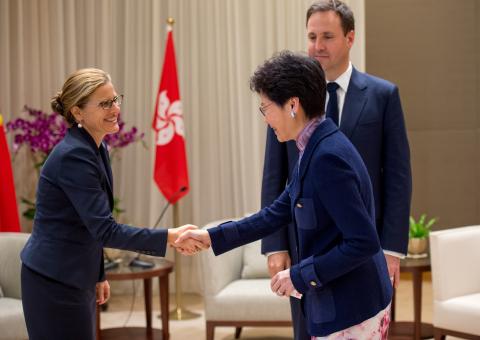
(169, 119)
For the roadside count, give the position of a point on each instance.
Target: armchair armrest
(11, 244)
(453, 253)
(218, 271)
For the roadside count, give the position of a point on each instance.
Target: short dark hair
(337, 6)
(288, 75)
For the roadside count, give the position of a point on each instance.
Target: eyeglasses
(107, 104)
(263, 109)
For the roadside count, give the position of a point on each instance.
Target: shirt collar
(344, 79)
(307, 132)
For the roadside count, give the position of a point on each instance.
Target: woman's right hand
(200, 238)
(186, 247)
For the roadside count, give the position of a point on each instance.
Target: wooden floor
(118, 314)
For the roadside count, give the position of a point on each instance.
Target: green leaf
(420, 229)
(116, 210)
(27, 202)
(29, 213)
(421, 221)
(412, 221)
(430, 223)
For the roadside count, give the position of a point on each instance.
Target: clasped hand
(188, 239)
(281, 283)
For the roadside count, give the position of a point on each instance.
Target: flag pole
(179, 313)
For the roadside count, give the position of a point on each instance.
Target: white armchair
(237, 290)
(12, 322)
(455, 259)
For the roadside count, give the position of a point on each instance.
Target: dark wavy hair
(288, 75)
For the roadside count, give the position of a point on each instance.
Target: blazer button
(299, 205)
(313, 283)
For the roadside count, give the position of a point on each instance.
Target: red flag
(8, 202)
(170, 173)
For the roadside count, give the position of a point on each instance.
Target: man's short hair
(337, 6)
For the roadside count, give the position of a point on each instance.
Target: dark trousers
(56, 311)
(299, 323)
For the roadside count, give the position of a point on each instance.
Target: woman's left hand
(103, 292)
(281, 283)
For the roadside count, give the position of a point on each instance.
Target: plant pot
(417, 246)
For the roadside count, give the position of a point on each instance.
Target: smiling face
(279, 118)
(98, 121)
(328, 44)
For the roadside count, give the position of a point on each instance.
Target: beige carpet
(119, 310)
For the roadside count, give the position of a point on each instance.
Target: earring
(79, 125)
(292, 113)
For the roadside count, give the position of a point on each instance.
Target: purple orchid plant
(40, 132)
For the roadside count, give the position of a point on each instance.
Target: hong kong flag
(170, 173)
(8, 202)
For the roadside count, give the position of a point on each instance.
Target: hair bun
(57, 104)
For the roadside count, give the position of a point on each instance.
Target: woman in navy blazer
(342, 274)
(62, 272)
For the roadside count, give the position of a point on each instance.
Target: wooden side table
(417, 329)
(161, 270)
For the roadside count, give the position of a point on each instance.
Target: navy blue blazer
(73, 219)
(341, 272)
(372, 118)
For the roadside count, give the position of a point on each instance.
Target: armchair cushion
(456, 284)
(460, 314)
(235, 303)
(254, 263)
(229, 296)
(12, 322)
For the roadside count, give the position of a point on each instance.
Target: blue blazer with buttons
(341, 272)
(73, 219)
(372, 119)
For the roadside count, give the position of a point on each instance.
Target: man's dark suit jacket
(73, 220)
(341, 271)
(372, 118)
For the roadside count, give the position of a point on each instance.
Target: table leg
(147, 287)
(417, 303)
(392, 308)
(164, 305)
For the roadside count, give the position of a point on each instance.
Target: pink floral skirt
(375, 328)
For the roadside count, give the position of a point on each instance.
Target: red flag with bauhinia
(170, 173)
(8, 202)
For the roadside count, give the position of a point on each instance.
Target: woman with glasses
(341, 274)
(62, 273)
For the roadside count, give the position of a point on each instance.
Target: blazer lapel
(108, 172)
(355, 101)
(104, 159)
(325, 129)
(294, 187)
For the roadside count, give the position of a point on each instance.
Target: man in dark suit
(369, 113)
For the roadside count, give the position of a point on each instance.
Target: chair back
(455, 260)
(11, 244)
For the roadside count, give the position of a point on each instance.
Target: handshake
(188, 239)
